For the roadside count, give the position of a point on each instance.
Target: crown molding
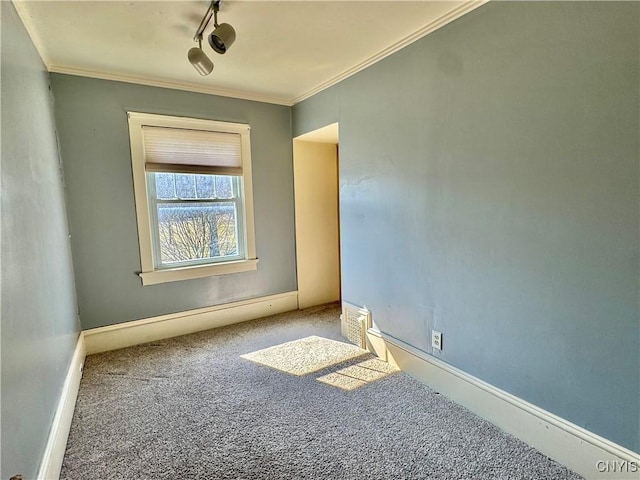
(27, 21)
(176, 85)
(409, 39)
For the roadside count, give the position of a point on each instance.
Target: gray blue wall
(39, 322)
(94, 141)
(489, 186)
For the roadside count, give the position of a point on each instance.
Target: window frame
(149, 273)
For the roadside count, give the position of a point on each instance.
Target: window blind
(179, 150)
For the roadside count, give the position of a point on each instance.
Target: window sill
(198, 271)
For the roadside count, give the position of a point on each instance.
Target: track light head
(199, 60)
(222, 38)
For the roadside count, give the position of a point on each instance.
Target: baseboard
(147, 330)
(584, 452)
(59, 433)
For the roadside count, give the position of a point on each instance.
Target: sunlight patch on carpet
(306, 355)
(359, 375)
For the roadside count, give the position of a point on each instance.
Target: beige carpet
(278, 398)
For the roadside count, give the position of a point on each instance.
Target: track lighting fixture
(224, 34)
(220, 40)
(199, 60)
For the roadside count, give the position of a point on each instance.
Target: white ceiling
(285, 51)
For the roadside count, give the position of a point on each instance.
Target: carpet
(278, 398)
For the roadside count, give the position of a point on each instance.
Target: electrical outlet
(436, 339)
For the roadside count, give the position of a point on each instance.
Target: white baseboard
(584, 452)
(59, 433)
(147, 330)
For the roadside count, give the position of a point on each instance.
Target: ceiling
(285, 51)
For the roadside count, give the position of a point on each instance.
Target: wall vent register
(354, 323)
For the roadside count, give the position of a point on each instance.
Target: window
(192, 183)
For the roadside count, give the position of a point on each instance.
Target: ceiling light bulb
(222, 37)
(200, 61)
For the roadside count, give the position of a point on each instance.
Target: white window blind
(179, 150)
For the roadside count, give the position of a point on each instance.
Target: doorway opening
(316, 188)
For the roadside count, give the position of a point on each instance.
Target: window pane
(165, 186)
(186, 185)
(223, 187)
(189, 232)
(205, 186)
(189, 186)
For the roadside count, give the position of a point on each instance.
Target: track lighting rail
(214, 6)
